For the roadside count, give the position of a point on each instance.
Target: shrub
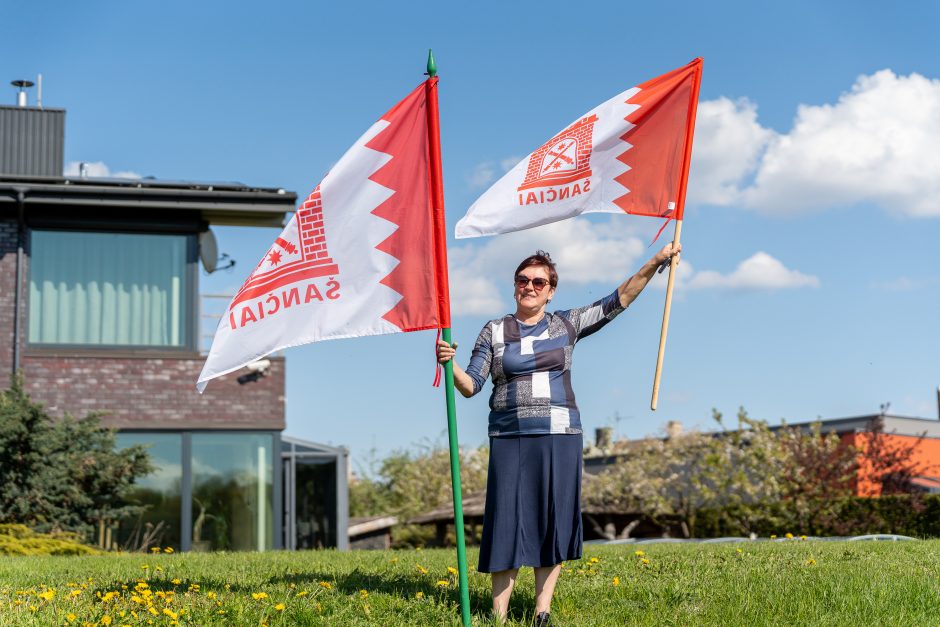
(21, 540)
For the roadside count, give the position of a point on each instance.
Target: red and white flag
(357, 258)
(629, 155)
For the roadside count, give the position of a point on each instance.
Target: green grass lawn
(784, 583)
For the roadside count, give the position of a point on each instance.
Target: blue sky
(811, 265)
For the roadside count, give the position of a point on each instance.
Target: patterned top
(531, 368)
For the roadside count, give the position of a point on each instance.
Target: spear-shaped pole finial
(432, 66)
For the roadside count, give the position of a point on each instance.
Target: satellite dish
(208, 251)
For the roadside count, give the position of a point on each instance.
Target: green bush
(21, 540)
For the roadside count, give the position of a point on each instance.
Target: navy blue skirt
(533, 502)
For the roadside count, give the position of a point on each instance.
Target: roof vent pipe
(938, 401)
(21, 94)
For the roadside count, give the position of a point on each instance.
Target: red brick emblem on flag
(289, 262)
(564, 158)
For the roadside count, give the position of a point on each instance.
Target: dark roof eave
(231, 206)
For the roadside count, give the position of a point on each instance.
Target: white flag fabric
(357, 258)
(624, 156)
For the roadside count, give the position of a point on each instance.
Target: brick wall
(154, 393)
(7, 289)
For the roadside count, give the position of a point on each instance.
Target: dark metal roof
(216, 203)
(899, 425)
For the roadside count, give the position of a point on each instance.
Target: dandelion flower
(48, 595)
(811, 562)
(303, 593)
(257, 596)
(106, 620)
(443, 583)
(740, 550)
(421, 569)
(70, 617)
(644, 561)
(211, 594)
(594, 560)
(616, 581)
(168, 549)
(175, 582)
(364, 594)
(279, 607)
(802, 537)
(639, 553)
(789, 536)
(168, 612)
(773, 536)
(326, 584)
(419, 595)
(75, 593)
(155, 549)
(452, 570)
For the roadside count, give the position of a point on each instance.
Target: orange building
(919, 436)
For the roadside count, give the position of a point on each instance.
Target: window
(233, 506)
(109, 289)
(158, 493)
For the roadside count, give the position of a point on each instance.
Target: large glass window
(110, 289)
(315, 503)
(233, 506)
(158, 492)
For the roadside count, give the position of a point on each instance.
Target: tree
(62, 475)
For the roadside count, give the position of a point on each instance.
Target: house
(99, 310)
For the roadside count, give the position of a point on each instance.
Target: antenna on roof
(938, 402)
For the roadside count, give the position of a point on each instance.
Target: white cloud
(728, 144)
(584, 251)
(760, 271)
(97, 169)
(485, 173)
(876, 144)
(904, 284)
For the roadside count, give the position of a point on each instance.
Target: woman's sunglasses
(538, 282)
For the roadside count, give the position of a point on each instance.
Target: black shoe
(542, 619)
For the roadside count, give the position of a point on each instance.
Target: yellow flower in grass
(153, 610)
(419, 595)
(257, 596)
(616, 581)
(644, 561)
(443, 583)
(326, 585)
(802, 537)
(773, 536)
(811, 562)
(639, 553)
(303, 593)
(594, 560)
(70, 617)
(740, 550)
(421, 569)
(279, 607)
(105, 620)
(168, 549)
(75, 593)
(211, 594)
(176, 581)
(789, 536)
(363, 594)
(452, 570)
(154, 549)
(168, 612)
(48, 595)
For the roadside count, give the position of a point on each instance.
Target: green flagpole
(437, 197)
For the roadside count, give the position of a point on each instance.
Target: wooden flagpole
(680, 206)
(437, 199)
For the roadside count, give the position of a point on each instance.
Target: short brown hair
(540, 258)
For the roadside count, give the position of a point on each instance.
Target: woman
(533, 493)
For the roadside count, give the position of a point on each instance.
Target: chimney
(673, 429)
(603, 437)
(21, 94)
